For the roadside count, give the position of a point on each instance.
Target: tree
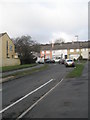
(80, 57)
(61, 40)
(25, 46)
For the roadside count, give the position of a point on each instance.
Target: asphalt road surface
(68, 100)
(45, 94)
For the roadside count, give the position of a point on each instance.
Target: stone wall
(10, 62)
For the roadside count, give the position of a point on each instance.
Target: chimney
(72, 41)
(52, 45)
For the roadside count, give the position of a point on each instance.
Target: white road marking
(25, 96)
(24, 113)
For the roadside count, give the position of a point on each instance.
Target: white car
(57, 59)
(40, 60)
(69, 62)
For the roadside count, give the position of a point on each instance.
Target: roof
(69, 45)
(1, 34)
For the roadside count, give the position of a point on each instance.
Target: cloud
(42, 19)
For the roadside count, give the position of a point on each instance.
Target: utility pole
(78, 45)
(76, 37)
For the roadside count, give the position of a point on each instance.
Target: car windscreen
(69, 60)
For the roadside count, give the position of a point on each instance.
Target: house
(8, 57)
(68, 50)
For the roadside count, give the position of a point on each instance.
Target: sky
(45, 20)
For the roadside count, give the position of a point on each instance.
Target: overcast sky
(45, 20)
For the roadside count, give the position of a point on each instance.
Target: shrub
(80, 57)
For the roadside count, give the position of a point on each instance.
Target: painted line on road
(32, 106)
(25, 96)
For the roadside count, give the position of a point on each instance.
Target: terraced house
(8, 57)
(66, 50)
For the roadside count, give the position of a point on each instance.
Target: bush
(80, 57)
(74, 59)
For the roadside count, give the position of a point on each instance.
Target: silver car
(69, 63)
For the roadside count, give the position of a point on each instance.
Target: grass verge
(77, 71)
(11, 68)
(26, 72)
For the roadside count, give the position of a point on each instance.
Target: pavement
(21, 70)
(16, 71)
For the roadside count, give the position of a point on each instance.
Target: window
(71, 50)
(42, 52)
(83, 50)
(7, 49)
(77, 50)
(65, 56)
(54, 52)
(47, 52)
(11, 48)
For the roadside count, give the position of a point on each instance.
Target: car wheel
(73, 66)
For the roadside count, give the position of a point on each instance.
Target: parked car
(57, 59)
(61, 61)
(49, 60)
(69, 62)
(40, 60)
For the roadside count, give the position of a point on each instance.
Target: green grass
(77, 71)
(10, 68)
(0, 69)
(27, 72)
(81, 61)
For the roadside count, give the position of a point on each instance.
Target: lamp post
(76, 37)
(78, 44)
(52, 47)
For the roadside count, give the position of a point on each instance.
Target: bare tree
(61, 40)
(24, 46)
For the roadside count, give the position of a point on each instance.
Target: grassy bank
(10, 68)
(77, 71)
(27, 72)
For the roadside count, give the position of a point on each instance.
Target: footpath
(10, 76)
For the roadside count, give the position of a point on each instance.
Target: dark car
(52, 61)
(49, 61)
(61, 61)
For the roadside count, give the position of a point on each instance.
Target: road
(21, 94)
(68, 100)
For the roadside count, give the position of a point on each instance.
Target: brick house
(66, 50)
